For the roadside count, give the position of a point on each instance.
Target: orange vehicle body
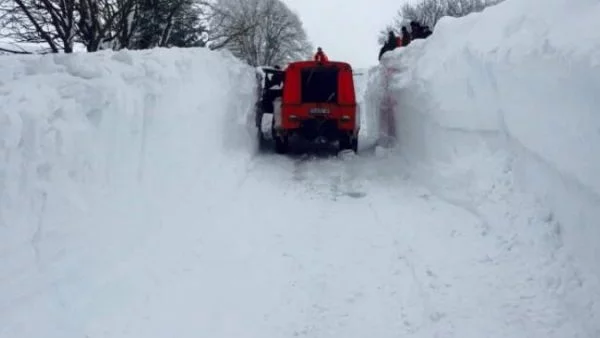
(318, 102)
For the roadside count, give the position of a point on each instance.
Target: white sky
(346, 29)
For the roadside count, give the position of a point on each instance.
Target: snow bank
(509, 97)
(82, 134)
(367, 136)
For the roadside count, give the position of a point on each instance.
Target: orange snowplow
(317, 104)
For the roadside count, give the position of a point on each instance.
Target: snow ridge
(503, 104)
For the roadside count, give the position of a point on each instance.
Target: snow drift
(509, 98)
(89, 143)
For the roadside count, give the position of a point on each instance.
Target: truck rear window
(319, 85)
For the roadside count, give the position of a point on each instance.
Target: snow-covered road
(290, 247)
(275, 246)
(133, 203)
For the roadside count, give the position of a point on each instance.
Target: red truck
(317, 104)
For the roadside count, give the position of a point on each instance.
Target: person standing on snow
(405, 36)
(426, 32)
(419, 31)
(276, 77)
(320, 56)
(389, 45)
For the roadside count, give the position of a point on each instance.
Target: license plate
(319, 111)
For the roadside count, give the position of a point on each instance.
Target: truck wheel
(281, 145)
(355, 145)
(346, 143)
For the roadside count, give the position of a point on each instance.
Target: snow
(89, 144)
(133, 202)
(503, 104)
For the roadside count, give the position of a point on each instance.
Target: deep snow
(133, 203)
(507, 101)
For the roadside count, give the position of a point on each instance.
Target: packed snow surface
(133, 202)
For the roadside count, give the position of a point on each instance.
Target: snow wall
(80, 134)
(506, 98)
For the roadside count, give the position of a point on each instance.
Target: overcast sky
(346, 29)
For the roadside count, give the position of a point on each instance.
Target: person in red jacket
(320, 56)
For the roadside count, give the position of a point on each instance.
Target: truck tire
(347, 142)
(281, 145)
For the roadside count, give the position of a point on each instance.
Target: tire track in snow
(418, 312)
(332, 248)
(399, 260)
(335, 176)
(280, 252)
(337, 286)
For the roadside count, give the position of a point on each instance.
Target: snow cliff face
(79, 138)
(71, 120)
(509, 98)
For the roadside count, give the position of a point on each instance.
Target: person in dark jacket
(389, 45)
(276, 78)
(426, 32)
(405, 37)
(416, 30)
(419, 31)
(272, 88)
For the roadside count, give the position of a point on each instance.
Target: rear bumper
(341, 118)
(314, 128)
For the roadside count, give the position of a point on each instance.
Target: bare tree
(188, 28)
(429, 12)
(162, 23)
(41, 21)
(143, 24)
(101, 24)
(260, 32)
(61, 23)
(227, 20)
